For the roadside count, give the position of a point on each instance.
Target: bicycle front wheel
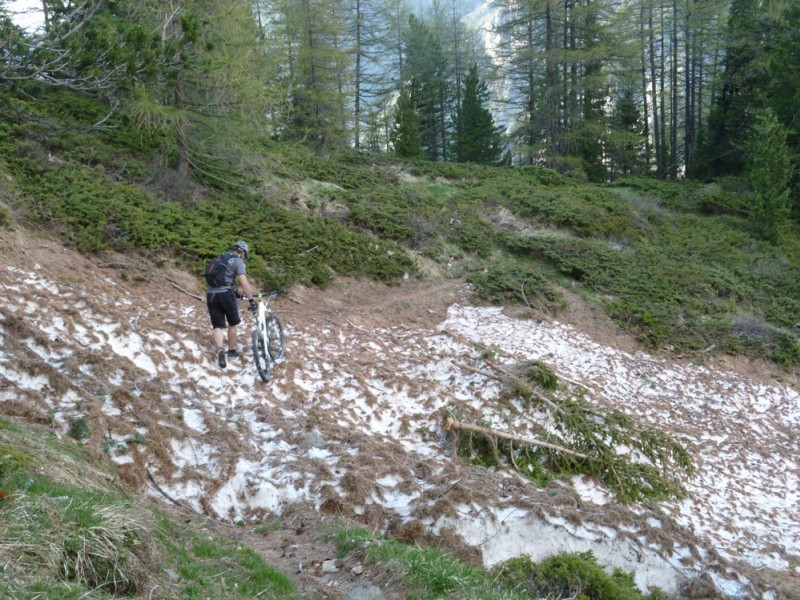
(261, 357)
(276, 342)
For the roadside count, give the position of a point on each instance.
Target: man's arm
(248, 291)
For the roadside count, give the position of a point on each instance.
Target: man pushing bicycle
(221, 296)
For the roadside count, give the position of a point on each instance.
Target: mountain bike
(269, 343)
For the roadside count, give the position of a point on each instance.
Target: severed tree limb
(574, 382)
(505, 377)
(450, 424)
(123, 266)
(178, 503)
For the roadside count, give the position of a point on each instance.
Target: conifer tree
(742, 87)
(625, 141)
(477, 139)
(770, 171)
(405, 136)
(425, 75)
(199, 86)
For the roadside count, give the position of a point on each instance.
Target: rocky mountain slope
(350, 425)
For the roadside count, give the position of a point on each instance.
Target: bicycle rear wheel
(261, 356)
(276, 342)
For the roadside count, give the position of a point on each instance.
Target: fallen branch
(450, 424)
(178, 503)
(165, 494)
(506, 377)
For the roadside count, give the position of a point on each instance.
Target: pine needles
(573, 436)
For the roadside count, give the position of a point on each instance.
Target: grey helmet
(242, 246)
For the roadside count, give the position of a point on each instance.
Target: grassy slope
(70, 530)
(672, 262)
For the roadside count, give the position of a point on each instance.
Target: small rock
(172, 574)
(314, 440)
(357, 570)
(364, 592)
(329, 566)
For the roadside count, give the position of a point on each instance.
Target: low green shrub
(6, 220)
(515, 282)
(575, 575)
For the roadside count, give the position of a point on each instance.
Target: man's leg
(217, 337)
(232, 337)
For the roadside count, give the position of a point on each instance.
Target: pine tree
(425, 75)
(742, 90)
(477, 139)
(770, 172)
(625, 142)
(405, 136)
(784, 88)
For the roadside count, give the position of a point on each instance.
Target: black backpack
(215, 270)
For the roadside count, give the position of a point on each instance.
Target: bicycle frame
(268, 343)
(264, 312)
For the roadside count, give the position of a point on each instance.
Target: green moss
(13, 460)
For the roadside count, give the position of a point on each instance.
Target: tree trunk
(451, 424)
(357, 80)
(181, 134)
(647, 148)
(673, 145)
(662, 91)
(654, 87)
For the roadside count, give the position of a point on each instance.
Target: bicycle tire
(276, 345)
(261, 357)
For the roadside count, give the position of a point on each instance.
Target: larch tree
(199, 89)
(318, 99)
(520, 31)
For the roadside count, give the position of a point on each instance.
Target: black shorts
(222, 306)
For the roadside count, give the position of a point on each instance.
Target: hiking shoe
(233, 354)
(221, 361)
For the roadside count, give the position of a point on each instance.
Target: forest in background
(598, 88)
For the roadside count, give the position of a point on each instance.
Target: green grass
(217, 567)
(68, 531)
(431, 574)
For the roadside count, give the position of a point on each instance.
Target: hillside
(350, 426)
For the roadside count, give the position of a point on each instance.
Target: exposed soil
(71, 324)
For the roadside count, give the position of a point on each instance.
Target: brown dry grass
(357, 309)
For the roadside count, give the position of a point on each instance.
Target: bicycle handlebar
(259, 295)
(272, 294)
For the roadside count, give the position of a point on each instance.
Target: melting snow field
(746, 493)
(351, 423)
